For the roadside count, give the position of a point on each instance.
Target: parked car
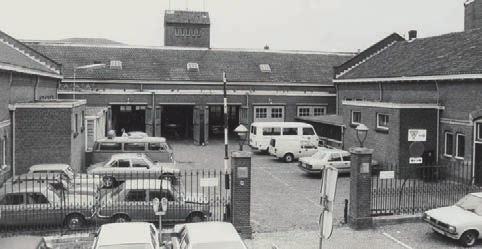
(55, 180)
(213, 235)
(136, 235)
(155, 148)
(289, 149)
(84, 180)
(132, 166)
(132, 202)
(339, 159)
(28, 204)
(23, 242)
(461, 221)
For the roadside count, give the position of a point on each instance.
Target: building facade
(187, 29)
(473, 14)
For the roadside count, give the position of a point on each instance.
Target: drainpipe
(336, 100)
(380, 98)
(438, 124)
(247, 108)
(153, 114)
(35, 89)
(12, 109)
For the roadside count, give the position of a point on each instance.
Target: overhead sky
(324, 25)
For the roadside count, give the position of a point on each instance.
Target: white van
(290, 149)
(261, 133)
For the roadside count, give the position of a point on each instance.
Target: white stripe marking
(397, 241)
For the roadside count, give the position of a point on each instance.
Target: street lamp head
(361, 133)
(242, 132)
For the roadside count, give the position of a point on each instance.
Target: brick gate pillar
(360, 188)
(241, 192)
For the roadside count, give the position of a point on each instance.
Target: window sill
(382, 130)
(447, 156)
(459, 158)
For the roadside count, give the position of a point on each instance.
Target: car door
(40, 210)
(12, 209)
(137, 206)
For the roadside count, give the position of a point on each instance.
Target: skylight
(265, 68)
(192, 67)
(115, 64)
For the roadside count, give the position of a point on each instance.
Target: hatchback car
(133, 235)
(213, 235)
(132, 201)
(461, 221)
(84, 180)
(121, 167)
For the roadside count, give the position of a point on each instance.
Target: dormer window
(192, 67)
(265, 68)
(115, 64)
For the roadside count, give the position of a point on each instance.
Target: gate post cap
(361, 150)
(241, 154)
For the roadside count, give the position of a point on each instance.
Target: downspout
(336, 100)
(35, 89)
(247, 108)
(13, 140)
(380, 98)
(153, 94)
(438, 124)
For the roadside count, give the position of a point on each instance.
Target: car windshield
(128, 246)
(471, 203)
(320, 154)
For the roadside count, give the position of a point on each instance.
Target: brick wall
(241, 192)
(77, 144)
(42, 136)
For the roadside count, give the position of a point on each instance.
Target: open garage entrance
(131, 117)
(177, 121)
(216, 120)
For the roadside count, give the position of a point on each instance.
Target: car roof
(39, 176)
(21, 242)
(49, 166)
(134, 139)
(147, 184)
(124, 233)
(478, 194)
(128, 155)
(208, 232)
(24, 188)
(284, 124)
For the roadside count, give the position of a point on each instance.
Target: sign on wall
(387, 174)
(415, 160)
(417, 135)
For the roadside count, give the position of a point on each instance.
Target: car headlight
(452, 229)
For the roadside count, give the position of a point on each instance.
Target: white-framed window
(305, 111)
(276, 112)
(261, 112)
(265, 68)
(355, 117)
(382, 121)
(460, 146)
(449, 144)
(319, 111)
(125, 108)
(269, 113)
(479, 131)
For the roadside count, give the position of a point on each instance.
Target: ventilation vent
(114, 64)
(192, 67)
(265, 68)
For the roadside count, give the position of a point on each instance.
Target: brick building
(30, 128)
(187, 29)
(176, 92)
(432, 84)
(473, 14)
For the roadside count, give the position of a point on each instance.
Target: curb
(381, 221)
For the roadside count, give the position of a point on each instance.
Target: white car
(136, 235)
(462, 221)
(79, 179)
(212, 235)
(339, 159)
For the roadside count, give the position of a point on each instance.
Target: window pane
(303, 111)
(319, 111)
(272, 131)
(308, 131)
(449, 142)
(139, 163)
(479, 131)
(13, 199)
(261, 112)
(335, 158)
(136, 195)
(460, 145)
(155, 146)
(123, 164)
(134, 146)
(110, 146)
(383, 120)
(290, 131)
(277, 112)
(36, 198)
(356, 117)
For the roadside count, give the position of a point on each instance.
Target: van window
(136, 195)
(110, 146)
(134, 146)
(272, 131)
(308, 131)
(290, 131)
(157, 147)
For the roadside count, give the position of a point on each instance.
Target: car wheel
(468, 238)
(288, 158)
(197, 217)
(121, 218)
(74, 221)
(108, 181)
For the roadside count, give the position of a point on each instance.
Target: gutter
(411, 78)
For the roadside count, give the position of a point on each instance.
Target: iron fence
(55, 202)
(413, 189)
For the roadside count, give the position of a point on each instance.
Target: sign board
(209, 182)
(415, 160)
(328, 183)
(326, 224)
(365, 168)
(417, 135)
(242, 172)
(387, 174)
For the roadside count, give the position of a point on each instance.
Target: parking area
(283, 197)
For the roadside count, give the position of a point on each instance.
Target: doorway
(216, 120)
(128, 117)
(176, 121)
(478, 164)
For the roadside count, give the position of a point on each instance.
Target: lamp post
(242, 132)
(361, 133)
(89, 66)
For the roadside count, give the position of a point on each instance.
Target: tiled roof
(449, 54)
(19, 57)
(183, 16)
(170, 64)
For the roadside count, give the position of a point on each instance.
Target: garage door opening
(177, 121)
(216, 120)
(128, 117)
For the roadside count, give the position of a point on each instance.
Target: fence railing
(416, 188)
(52, 202)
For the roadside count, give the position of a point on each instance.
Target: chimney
(412, 34)
(266, 47)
